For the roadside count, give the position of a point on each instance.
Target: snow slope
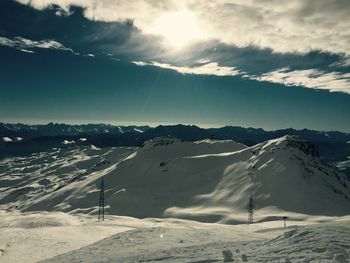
(25, 179)
(282, 174)
(328, 242)
(210, 181)
(29, 237)
(59, 237)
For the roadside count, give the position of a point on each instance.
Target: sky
(253, 63)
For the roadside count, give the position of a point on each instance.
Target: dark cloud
(124, 40)
(253, 59)
(73, 30)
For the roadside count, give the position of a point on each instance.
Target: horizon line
(151, 124)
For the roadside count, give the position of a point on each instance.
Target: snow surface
(315, 243)
(6, 139)
(68, 142)
(209, 181)
(31, 237)
(343, 165)
(59, 237)
(51, 202)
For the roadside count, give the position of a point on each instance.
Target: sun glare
(178, 28)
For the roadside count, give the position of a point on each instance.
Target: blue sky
(245, 63)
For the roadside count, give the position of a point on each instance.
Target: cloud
(25, 45)
(292, 26)
(343, 62)
(121, 39)
(296, 43)
(203, 60)
(205, 68)
(125, 35)
(309, 78)
(252, 59)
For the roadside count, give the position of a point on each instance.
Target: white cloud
(284, 26)
(211, 68)
(24, 44)
(309, 78)
(26, 50)
(203, 61)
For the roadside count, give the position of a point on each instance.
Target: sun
(178, 28)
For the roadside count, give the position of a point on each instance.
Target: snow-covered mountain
(22, 139)
(55, 129)
(207, 180)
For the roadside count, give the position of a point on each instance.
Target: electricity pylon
(250, 211)
(101, 205)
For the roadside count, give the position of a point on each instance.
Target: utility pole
(101, 205)
(250, 211)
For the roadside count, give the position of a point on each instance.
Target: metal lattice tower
(250, 211)
(101, 205)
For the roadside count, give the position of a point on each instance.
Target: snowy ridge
(206, 180)
(281, 174)
(24, 180)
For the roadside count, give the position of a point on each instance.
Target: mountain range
(22, 139)
(207, 180)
